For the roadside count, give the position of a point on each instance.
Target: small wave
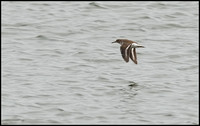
(25, 59)
(95, 5)
(187, 67)
(11, 121)
(175, 25)
(41, 36)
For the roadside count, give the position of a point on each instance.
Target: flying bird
(128, 49)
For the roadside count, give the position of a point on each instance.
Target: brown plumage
(128, 49)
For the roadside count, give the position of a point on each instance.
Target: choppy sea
(60, 67)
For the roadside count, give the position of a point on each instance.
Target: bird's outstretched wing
(133, 55)
(125, 51)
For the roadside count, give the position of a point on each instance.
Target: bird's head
(118, 41)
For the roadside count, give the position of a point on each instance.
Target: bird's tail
(134, 45)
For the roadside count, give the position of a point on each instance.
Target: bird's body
(128, 49)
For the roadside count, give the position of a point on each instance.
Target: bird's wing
(125, 51)
(133, 55)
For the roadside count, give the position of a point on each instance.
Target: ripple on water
(59, 66)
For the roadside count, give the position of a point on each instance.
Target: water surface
(60, 67)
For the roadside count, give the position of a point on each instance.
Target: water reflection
(132, 84)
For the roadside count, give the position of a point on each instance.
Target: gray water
(60, 67)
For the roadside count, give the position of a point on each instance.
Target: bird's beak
(114, 42)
